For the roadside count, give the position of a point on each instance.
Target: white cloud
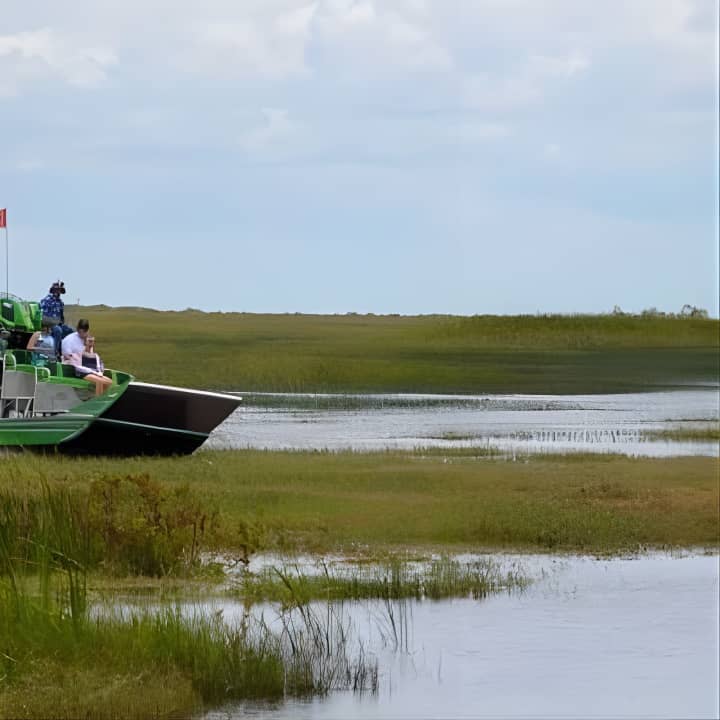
(523, 85)
(272, 45)
(275, 127)
(410, 70)
(563, 67)
(386, 34)
(46, 53)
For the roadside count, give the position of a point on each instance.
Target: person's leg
(101, 382)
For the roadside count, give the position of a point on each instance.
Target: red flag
(3, 218)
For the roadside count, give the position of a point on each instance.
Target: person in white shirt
(78, 350)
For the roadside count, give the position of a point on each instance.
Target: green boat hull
(41, 431)
(128, 419)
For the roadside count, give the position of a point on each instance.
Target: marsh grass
(456, 436)
(123, 523)
(391, 579)
(45, 627)
(434, 353)
(62, 519)
(705, 434)
(447, 500)
(311, 654)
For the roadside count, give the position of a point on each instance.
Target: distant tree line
(687, 311)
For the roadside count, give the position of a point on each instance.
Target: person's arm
(67, 353)
(73, 359)
(32, 342)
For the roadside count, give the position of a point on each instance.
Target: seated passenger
(42, 344)
(78, 350)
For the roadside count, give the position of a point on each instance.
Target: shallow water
(591, 638)
(512, 423)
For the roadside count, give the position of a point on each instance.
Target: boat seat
(55, 395)
(17, 388)
(67, 371)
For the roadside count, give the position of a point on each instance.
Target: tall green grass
(45, 627)
(434, 353)
(120, 523)
(447, 500)
(388, 579)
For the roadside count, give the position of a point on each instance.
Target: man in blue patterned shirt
(53, 313)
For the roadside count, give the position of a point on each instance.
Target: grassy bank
(700, 434)
(356, 502)
(59, 659)
(364, 353)
(61, 663)
(62, 656)
(67, 525)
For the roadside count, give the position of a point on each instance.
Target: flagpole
(3, 224)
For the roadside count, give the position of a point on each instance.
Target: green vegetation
(126, 524)
(392, 579)
(698, 434)
(366, 353)
(448, 499)
(58, 660)
(57, 664)
(67, 525)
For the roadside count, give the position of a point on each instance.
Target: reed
(311, 654)
(121, 523)
(434, 353)
(47, 632)
(389, 579)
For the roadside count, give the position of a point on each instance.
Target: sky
(386, 156)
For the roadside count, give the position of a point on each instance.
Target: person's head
(83, 328)
(57, 288)
(45, 328)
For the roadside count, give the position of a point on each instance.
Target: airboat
(49, 408)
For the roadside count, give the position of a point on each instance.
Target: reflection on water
(513, 423)
(604, 638)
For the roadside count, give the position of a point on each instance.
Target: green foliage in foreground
(58, 660)
(48, 636)
(355, 503)
(124, 524)
(200, 660)
(364, 353)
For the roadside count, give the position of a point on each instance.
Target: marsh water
(512, 423)
(621, 637)
(635, 637)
